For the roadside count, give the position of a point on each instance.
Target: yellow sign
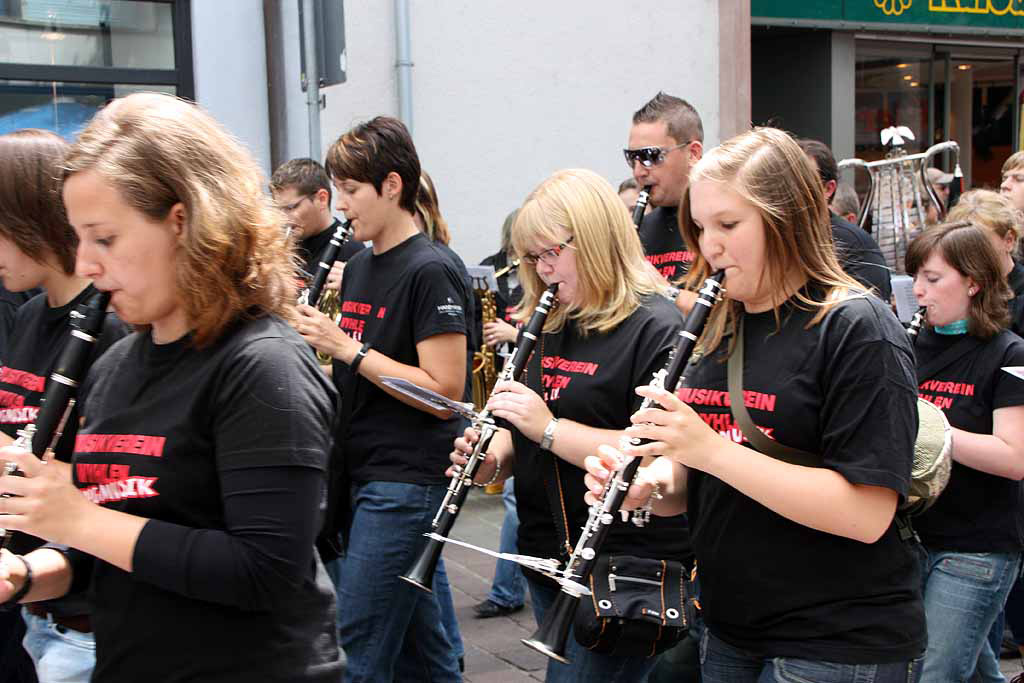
(894, 8)
(997, 7)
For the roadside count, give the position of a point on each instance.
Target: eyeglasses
(649, 156)
(288, 208)
(548, 256)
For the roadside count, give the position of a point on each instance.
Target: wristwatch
(549, 435)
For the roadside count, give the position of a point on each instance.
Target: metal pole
(312, 76)
(947, 107)
(403, 62)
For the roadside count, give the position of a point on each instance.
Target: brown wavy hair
(967, 249)
(158, 151)
(767, 168)
(31, 205)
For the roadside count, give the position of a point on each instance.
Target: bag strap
(755, 436)
(954, 353)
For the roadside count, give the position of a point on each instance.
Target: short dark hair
(823, 157)
(372, 150)
(968, 250)
(628, 184)
(681, 119)
(306, 175)
(31, 205)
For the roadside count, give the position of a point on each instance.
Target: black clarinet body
(916, 323)
(641, 205)
(62, 387)
(421, 573)
(311, 295)
(551, 636)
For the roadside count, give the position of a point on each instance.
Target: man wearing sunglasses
(666, 138)
(301, 188)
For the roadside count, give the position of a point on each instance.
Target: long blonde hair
(767, 168)
(613, 277)
(157, 151)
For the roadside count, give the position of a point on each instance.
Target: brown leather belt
(78, 622)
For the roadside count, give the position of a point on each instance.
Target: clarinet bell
(551, 636)
(421, 573)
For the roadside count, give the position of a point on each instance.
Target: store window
(941, 92)
(61, 60)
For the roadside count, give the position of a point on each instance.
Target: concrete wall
(506, 93)
(229, 56)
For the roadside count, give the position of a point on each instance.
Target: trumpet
(641, 205)
(421, 573)
(551, 636)
(42, 435)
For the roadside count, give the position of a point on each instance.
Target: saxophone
(485, 371)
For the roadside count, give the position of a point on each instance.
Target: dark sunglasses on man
(650, 156)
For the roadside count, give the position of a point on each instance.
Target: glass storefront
(964, 93)
(61, 60)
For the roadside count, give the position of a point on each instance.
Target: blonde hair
(767, 168)
(429, 211)
(989, 210)
(158, 151)
(612, 275)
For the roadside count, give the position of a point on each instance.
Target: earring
(971, 291)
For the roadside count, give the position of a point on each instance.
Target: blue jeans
(723, 663)
(963, 594)
(378, 612)
(585, 666)
(61, 655)
(509, 586)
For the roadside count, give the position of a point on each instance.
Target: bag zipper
(612, 578)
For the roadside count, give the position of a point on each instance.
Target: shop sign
(992, 14)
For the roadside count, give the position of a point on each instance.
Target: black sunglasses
(649, 156)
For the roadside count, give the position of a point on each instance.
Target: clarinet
(311, 295)
(916, 323)
(551, 636)
(421, 574)
(641, 205)
(41, 436)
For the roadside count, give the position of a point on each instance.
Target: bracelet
(360, 355)
(25, 587)
(494, 477)
(548, 438)
(642, 514)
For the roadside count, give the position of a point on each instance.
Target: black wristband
(360, 355)
(25, 587)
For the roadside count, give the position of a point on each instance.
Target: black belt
(79, 622)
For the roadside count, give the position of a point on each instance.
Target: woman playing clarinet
(610, 331)
(198, 471)
(971, 536)
(37, 249)
(803, 573)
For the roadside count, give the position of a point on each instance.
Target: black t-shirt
(845, 390)
(312, 248)
(509, 292)
(473, 335)
(977, 512)
(10, 302)
(591, 380)
(1016, 279)
(40, 334)
(394, 301)
(223, 449)
(663, 243)
(860, 256)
